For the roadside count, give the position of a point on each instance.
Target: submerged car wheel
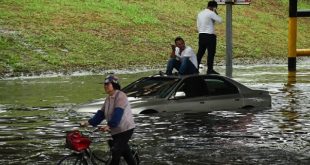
(248, 107)
(149, 111)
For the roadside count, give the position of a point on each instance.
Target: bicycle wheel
(100, 157)
(73, 159)
(123, 161)
(135, 156)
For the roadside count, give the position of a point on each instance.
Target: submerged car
(190, 93)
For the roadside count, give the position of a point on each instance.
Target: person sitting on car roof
(182, 58)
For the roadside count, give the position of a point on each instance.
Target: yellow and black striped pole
(293, 52)
(292, 39)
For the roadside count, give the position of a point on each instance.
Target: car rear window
(151, 86)
(220, 87)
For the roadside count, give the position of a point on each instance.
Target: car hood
(135, 102)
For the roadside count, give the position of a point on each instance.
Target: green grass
(65, 35)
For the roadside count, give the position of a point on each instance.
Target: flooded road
(35, 114)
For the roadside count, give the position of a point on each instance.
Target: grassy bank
(66, 35)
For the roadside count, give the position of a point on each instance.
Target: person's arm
(116, 117)
(97, 118)
(216, 17)
(177, 52)
(197, 24)
(215, 11)
(172, 55)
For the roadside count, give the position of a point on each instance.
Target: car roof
(190, 75)
(205, 76)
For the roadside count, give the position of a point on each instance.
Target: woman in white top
(116, 110)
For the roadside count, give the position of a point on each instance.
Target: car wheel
(149, 111)
(248, 107)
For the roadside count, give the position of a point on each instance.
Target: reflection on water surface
(35, 115)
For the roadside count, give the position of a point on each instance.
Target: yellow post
(292, 37)
(292, 51)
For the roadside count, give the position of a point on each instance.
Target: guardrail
(293, 52)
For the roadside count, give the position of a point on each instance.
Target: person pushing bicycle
(120, 122)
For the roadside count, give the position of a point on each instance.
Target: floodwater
(35, 114)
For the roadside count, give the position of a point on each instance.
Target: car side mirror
(178, 95)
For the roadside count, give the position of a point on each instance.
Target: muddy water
(35, 113)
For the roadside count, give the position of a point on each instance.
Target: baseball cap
(111, 79)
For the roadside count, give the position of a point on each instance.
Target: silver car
(191, 93)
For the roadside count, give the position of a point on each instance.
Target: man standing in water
(207, 38)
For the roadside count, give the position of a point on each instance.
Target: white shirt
(187, 52)
(205, 21)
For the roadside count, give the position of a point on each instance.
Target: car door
(222, 95)
(190, 96)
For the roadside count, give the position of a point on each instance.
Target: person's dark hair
(178, 39)
(116, 86)
(212, 4)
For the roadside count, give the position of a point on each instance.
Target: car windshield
(151, 86)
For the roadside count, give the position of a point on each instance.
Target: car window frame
(187, 80)
(235, 89)
(161, 94)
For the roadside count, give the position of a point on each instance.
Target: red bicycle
(83, 155)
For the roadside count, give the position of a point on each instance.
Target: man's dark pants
(207, 42)
(184, 66)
